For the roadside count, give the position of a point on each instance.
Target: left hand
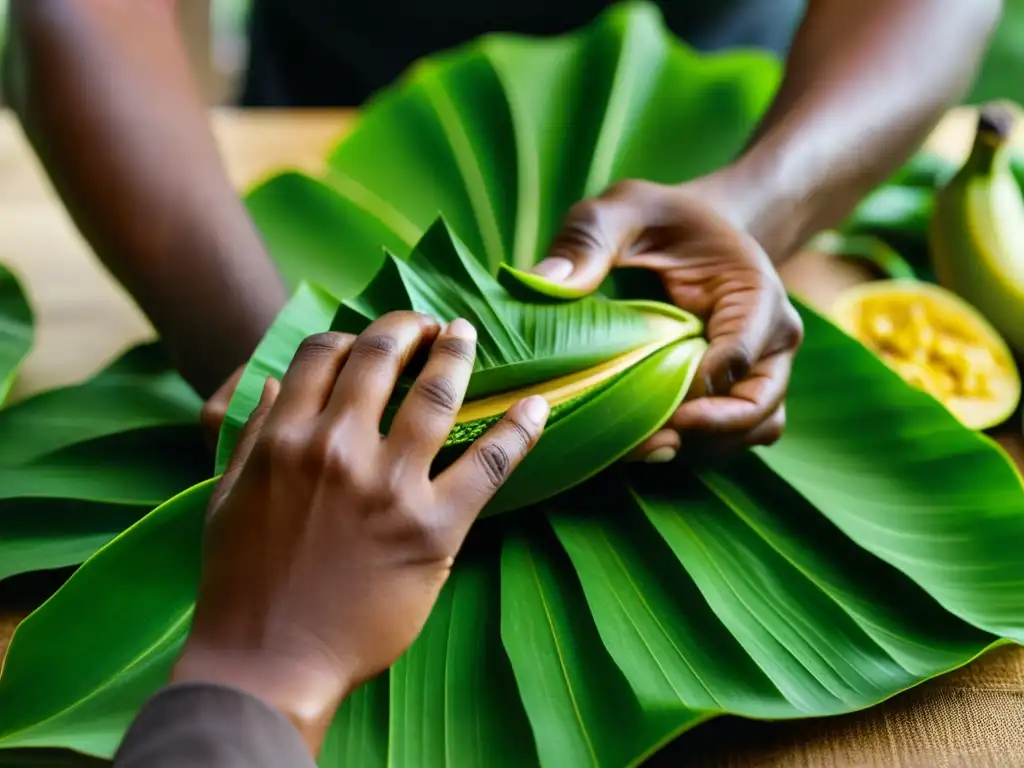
(708, 267)
(211, 417)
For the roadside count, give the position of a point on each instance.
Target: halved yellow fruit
(938, 343)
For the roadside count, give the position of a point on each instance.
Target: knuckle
(324, 343)
(407, 317)
(375, 346)
(737, 361)
(793, 328)
(394, 488)
(458, 349)
(362, 483)
(318, 452)
(423, 539)
(494, 463)
(324, 452)
(280, 446)
(580, 228)
(523, 437)
(775, 428)
(212, 413)
(432, 541)
(628, 188)
(438, 393)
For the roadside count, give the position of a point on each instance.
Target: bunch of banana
(977, 229)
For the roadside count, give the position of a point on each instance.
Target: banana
(976, 235)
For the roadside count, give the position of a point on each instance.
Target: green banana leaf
(502, 136)
(875, 546)
(819, 576)
(869, 249)
(520, 343)
(926, 169)
(80, 464)
(16, 330)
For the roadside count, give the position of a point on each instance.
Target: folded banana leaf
(80, 464)
(875, 546)
(16, 330)
(624, 365)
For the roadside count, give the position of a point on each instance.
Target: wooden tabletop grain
(84, 319)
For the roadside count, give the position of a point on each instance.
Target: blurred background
(215, 32)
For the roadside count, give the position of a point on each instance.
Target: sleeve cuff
(209, 725)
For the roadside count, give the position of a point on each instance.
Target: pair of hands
(692, 238)
(327, 544)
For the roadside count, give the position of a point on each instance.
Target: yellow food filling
(935, 350)
(569, 387)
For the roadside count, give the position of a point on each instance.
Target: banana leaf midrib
(713, 482)
(469, 166)
(357, 194)
(627, 578)
(623, 88)
(581, 724)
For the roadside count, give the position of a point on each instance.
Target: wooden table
(974, 717)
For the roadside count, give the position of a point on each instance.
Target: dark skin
(327, 543)
(103, 91)
(864, 84)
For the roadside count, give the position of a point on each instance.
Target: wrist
(759, 198)
(307, 694)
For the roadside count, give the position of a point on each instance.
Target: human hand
(713, 269)
(214, 410)
(328, 543)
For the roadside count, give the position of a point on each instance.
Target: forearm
(865, 83)
(105, 95)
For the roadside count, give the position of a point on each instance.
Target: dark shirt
(323, 53)
(198, 725)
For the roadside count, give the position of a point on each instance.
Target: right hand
(327, 543)
(685, 235)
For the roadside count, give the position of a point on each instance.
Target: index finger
(430, 409)
(749, 402)
(378, 356)
(739, 330)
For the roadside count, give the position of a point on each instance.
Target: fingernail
(535, 408)
(554, 269)
(461, 328)
(661, 455)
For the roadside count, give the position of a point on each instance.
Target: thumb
(587, 245)
(246, 440)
